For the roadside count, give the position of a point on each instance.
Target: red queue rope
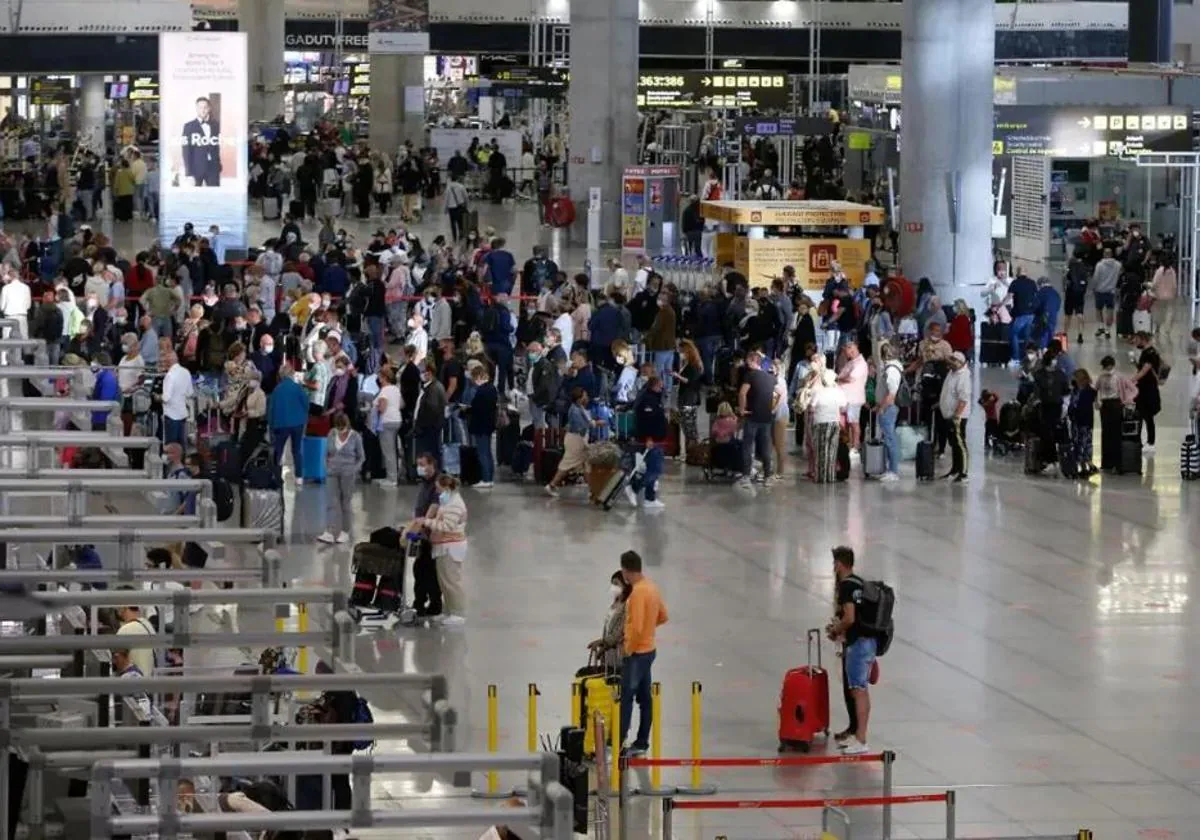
(841, 802)
(795, 761)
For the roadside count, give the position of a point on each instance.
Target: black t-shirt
(453, 369)
(758, 399)
(850, 591)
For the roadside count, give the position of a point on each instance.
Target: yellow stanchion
(615, 740)
(575, 705)
(492, 790)
(532, 716)
(1085, 834)
(656, 733)
(696, 788)
(302, 626)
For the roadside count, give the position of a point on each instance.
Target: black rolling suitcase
(995, 347)
(507, 439)
(373, 464)
(379, 566)
(470, 469)
(296, 208)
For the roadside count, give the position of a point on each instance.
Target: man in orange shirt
(644, 613)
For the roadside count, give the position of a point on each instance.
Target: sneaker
(453, 621)
(949, 476)
(385, 482)
(744, 483)
(484, 485)
(854, 455)
(961, 479)
(855, 747)
(327, 537)
(631, 496)
(636, 752)
(1147, 450)
(551, 491)
(1100, 332)
(844, 736)
(654, 505)
(299, 481)
(1079, 339)
(889, 476)
(343, 537)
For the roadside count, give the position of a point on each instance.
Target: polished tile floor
(1041, 666)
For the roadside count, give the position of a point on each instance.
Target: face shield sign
(203, 88)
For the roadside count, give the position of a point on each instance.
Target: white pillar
(948, 66)
(397, 101)
(603, 105)
(263, 23)
(91, 113)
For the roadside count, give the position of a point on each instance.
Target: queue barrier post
(302, 626)
(532, 715)
(889, 758)
(1085, 834)
(951, 816)
(667, 818)
(492, 787)
(656, 788)
(615, 740)
(696, 788)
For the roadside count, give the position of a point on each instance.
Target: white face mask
(616, 591)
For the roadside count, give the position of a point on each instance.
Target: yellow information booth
(761, 237)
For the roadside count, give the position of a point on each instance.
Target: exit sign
(914, 227)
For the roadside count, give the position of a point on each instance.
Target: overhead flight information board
(1081, 131)
(713, 89)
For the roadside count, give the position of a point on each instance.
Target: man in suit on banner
(202, 147)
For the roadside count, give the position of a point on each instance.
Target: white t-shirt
(143, 658)
(129, 371)
(177, 390)
(391, 412)
(639, 279)
(566, 327)
(827, 405)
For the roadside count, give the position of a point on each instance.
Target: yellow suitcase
(590, 693)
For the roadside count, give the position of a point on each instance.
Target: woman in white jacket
(448, 535)
(828, 403)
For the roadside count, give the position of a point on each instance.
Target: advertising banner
(633, 213)
(763, 260)
(203, 89)
(398, 27)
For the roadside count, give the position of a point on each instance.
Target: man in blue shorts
(858, 653)
(1105, 276)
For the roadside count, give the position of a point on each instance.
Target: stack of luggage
(379, 567)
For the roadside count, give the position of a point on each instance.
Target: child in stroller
(1002, 430)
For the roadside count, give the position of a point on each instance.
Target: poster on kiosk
(203, 86)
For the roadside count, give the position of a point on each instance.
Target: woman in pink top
(852, 379)
(1166, 288)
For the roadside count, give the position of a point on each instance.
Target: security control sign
(713, 89)
(51, 92)
(530, 82)
(1090, 131)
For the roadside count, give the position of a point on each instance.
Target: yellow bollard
(532, 715)
(615, 740)
(696, 788)
(493, 736)
(575, 706)
(302, 626)
(656, 733)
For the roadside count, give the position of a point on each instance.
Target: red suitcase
(804, 701)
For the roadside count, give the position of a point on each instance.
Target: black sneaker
(1079, 339)
(960, 479)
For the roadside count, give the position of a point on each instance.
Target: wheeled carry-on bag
(804, 701)
(263, 509)
(605, 483)
(995, 345)
(379, 568)
(873, 460)
(593, 690)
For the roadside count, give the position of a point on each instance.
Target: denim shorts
(1106, 300)
(857, 660)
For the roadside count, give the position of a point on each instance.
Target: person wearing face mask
(342, 397)
(441, 321)
(344, 458)
(447, 527)
(660, 339)
(427, 592)
(251, 416)
(609, 649)
(542, 387)
(429, 414)
(1051, 387)
(418, 337)
(266, 362)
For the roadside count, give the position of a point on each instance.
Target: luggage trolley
(380, 568)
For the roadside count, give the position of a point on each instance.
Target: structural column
(397, 101)
(263, 23)
(948, 68)
(90, 132)
(603, 102)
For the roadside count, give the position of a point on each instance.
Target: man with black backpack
(539, 272)
(863, 624)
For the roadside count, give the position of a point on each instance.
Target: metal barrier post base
(658, 791)
(701, 790)
(496, 796)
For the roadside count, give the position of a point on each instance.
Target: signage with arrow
(1082, 131)
(714, 89)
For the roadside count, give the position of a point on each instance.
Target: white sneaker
(453, 621)
(385, 482)
(745, 483)
(854, 455)
(484, 485)
(631, 496)
(889, 476)
(1147, 450)
(327, 537)
(655, 505)
(855, 747)
(551, 491)
(343, 537)
(299, 481)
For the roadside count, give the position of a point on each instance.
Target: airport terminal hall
(619, 420)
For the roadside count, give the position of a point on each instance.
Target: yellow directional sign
(714, 89)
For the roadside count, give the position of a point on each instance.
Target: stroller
(379, 567)
(1002, 432)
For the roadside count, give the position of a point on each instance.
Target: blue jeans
(487, 464)
(1022, 327)
(295, 434)
(858, 659)
(175, 431)
(648, 480)
(891, 445)
(708, 354)
(503, 356)
(664, 363)
(375, 327)
(756, 436)
(52, 258)
(635, 685)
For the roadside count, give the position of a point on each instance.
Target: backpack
(490, 321)
(903, 397)
(362, 714)
(874, 613)
(222, 494)
(542, 275)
